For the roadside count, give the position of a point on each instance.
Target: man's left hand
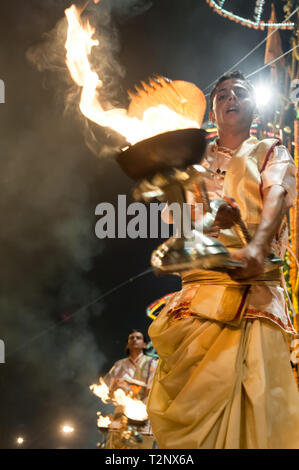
(228, 214)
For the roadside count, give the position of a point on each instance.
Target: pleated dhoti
(222, 387)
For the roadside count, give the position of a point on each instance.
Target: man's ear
(212, 117)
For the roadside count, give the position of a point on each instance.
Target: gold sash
(219, 298)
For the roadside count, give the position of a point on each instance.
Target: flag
(274, 48)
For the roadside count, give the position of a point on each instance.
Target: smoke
(47, 251)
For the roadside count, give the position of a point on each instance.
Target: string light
(258, 10)
(257, 24)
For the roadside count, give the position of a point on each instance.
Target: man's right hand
(253, 258)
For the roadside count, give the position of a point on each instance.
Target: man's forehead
(231, 83)
(135, 333)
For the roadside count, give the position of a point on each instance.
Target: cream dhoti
(218, 386)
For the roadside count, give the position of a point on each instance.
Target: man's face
(233, 105)
(136, 341)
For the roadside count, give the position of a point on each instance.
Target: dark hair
(145, 339)
(237, 75)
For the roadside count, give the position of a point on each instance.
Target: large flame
(133, 408)
(155, 120)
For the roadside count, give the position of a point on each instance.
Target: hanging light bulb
(263, 95)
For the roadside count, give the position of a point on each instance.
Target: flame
(133, 409)
(103, 421)
(101, 391)
(155, 120)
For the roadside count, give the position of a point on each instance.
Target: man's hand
(228, 214)
(253, 255)
(119, 383)
(253, 258)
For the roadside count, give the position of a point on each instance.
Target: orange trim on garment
(183, 311)
(253, 313)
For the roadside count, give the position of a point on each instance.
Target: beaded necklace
(224, 150)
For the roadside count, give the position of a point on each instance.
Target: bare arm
(273, 212)
(254, 253)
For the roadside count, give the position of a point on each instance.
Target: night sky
(54, 170)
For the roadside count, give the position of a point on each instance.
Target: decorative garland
(289, 7)
(258, 10)
(257, 24)
(154, 309)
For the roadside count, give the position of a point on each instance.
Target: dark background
(51, 263)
